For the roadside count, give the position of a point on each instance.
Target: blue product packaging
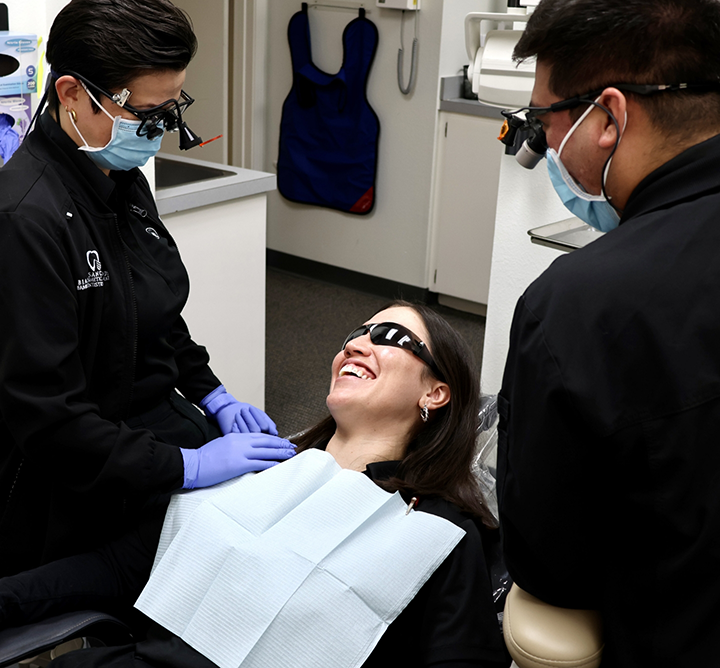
(18, 63)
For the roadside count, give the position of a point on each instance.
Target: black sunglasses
(525, 119)
(165, 116)
(392, 334)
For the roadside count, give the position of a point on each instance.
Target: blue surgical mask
(595, 210)
(125, 150)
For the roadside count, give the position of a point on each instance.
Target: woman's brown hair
(438, 459)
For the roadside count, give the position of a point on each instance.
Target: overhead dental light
(490, 38)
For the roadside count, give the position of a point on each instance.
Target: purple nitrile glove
(236, 416)
(232, 455)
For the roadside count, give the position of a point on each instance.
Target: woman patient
(403, 402)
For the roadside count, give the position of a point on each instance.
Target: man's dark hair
(590, 44)
(111, 42)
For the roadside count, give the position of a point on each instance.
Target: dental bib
(304, 565)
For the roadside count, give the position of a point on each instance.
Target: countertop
(234, 183)
(451, 99)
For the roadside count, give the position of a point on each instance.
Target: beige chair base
(539, 635)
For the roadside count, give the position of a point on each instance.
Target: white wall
(526, 200)
(33, 16)
(452, 44)
(206, 80)
(391, 242)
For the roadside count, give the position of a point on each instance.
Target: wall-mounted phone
(399, 4)
(413, 5)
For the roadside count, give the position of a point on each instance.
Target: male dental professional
(609, 464)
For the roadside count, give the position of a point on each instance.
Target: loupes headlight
(523, 130)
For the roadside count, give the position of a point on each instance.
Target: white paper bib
(304, 565)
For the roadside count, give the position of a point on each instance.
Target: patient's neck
(356, 449)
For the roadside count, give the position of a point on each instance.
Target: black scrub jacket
(609, 459)
(91, 290)
(451, 623)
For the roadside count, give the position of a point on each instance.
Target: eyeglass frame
(171, 118)
(530, 123)
(415, 345)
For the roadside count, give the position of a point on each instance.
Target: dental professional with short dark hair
(99, 377)
(610, 404)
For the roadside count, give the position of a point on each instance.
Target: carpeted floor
(306, 322)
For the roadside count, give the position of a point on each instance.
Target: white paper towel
(304, 565)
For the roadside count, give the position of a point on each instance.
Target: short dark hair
(111, 42)
(439, 458)
(590, 44)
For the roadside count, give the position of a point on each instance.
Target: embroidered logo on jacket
(96, 277)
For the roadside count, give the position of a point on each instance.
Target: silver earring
(424, 413)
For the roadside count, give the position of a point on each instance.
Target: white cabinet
(467, 174)
(217, 215)
(223, 248)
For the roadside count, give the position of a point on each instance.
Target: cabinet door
(223, 249)
(466, 191)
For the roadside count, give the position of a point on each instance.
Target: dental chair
(540, 635)
(38, 643)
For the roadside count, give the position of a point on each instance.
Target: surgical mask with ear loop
(125, 150)
(595, 210)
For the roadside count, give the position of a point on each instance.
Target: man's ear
(437, 397)
(69, 91)
(613, 100)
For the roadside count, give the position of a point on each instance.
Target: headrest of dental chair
(22, 642)
(488, 412)
(539, 635)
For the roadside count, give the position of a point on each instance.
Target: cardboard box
(18, 63)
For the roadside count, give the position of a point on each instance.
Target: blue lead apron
(329, 132)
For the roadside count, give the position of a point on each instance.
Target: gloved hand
(234, 416)
(232, 455)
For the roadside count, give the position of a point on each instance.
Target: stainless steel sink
(170, 173)
(186, 183)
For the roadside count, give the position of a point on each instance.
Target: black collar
(378, 471)
(686, 176)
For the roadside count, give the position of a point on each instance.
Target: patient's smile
(351, 369)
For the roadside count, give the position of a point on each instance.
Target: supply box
(18, 63)
(18, 81)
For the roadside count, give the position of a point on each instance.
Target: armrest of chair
(539, 635)
(21, 642)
